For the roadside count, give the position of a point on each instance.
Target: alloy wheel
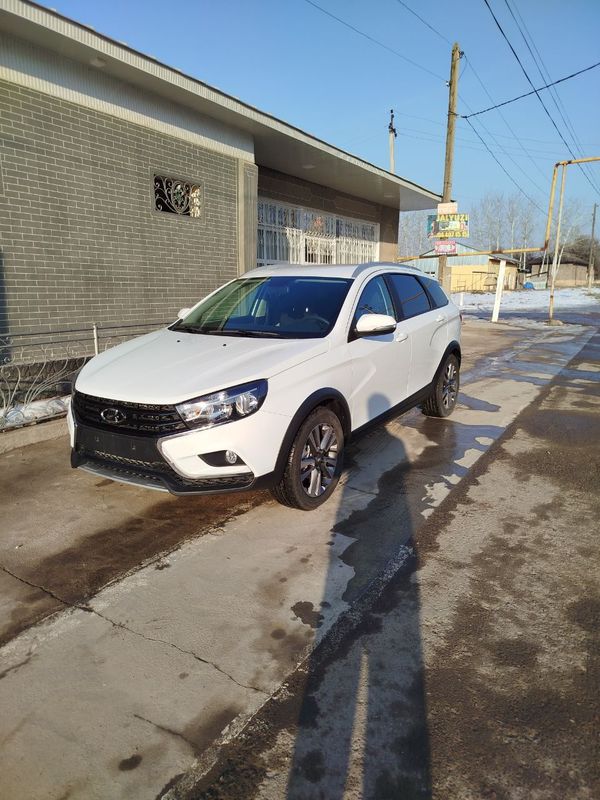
(319, 460)
(449, 386)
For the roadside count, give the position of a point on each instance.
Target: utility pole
(556, 247)
(590, 276)
(393, 135)
(443, 272)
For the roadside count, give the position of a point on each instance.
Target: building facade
(470, 272)
(129, 190)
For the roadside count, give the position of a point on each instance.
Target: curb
(32, 434)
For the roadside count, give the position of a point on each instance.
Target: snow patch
(529, 299)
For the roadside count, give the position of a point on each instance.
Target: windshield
(282, 307)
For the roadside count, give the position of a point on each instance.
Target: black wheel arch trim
(452, 349)
(321, 397)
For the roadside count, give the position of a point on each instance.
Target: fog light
(230, 457)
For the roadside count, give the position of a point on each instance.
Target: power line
(510, 157)
(517, 139)
(375, 41)
(484, 143)
(500, 135)
(545, 75)
(466, 64)
(536, 91)
(424, 21)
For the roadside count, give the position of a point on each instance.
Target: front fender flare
(320, 397)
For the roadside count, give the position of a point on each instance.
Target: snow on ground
(19, 415)
(527, 299)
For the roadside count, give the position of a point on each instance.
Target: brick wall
(287, 189)
(80, 241)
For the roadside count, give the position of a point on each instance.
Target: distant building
(471, 273)
(129, 190)
(572, 270)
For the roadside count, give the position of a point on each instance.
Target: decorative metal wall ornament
(177, 196)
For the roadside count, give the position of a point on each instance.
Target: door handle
(401, 337)
(441, 318)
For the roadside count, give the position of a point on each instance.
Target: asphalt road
(475, 673)
(140, 631)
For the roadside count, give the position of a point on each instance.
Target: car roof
(285, 269)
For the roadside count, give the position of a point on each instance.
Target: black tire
(442, 400)
(309, 486)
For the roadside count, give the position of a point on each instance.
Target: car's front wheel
(314, 463)
(444, 394)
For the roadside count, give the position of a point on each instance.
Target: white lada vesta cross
(263, 382)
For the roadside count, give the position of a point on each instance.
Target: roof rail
(362, 267)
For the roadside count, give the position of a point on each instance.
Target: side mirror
(183, 312)
(375, 325)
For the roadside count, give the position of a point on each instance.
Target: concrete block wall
(288, 189)
(79, 239)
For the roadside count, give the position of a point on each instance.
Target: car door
(425, 325)
(380, 364)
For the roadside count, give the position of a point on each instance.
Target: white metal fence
(37, 369)
(305, 236)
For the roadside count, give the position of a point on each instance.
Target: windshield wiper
(226, 331)
(195, 329)
(249, 332)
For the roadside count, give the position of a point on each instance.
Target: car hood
(168, 367)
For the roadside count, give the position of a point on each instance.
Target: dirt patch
(307, 614)
(78, 572)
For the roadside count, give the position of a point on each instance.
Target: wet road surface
(66, 534)
(475, 673)
(170, 654)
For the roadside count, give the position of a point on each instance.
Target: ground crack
(176, 647)
(124, 627)
(165, 729)
(49, 592)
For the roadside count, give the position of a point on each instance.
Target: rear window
(438, 295)
(411, 294)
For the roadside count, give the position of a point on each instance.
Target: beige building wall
(481, 277)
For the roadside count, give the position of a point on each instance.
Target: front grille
(159, 473)
(155, 466)
(138, 460)
(140, 418)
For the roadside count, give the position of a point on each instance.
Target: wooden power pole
(590, 275)
(443, 272)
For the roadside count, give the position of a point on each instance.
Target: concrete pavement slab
(242, 604)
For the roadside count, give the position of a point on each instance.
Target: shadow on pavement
(362, 721)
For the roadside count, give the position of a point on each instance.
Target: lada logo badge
(113, 416)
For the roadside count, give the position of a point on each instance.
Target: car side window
(411, 294)
(375, 299)
(436, 293)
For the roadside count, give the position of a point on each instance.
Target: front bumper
(175, 463)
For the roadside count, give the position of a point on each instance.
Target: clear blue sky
(289, 59)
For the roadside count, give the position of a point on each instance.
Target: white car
(263, 382)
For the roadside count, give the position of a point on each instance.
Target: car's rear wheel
(442, 400)
(314, 463)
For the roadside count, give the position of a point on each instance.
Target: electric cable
(375, 41)
(484, 143)
(536, 91)
(424, 21)
(545, 75)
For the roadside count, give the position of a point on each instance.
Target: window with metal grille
(178, 196)
(307, 236)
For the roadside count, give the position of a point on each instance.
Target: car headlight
(225, 406)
